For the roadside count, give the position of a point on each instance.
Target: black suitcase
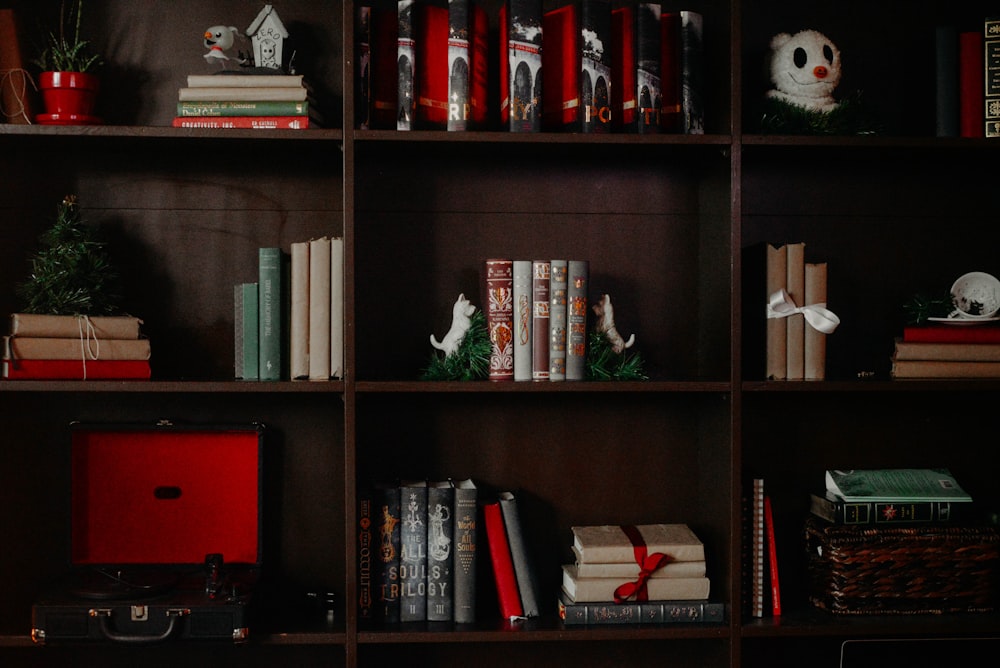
(165, 540)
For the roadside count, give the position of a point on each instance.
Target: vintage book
(242, 94)
(814, 341)
(245, 80)
(520, 30)
(772, 557)
(944, 333)
(246, 355)
(944, 369)
(243, 108)
(75, 369)
(967, 352)
(363, 67)
(576, 67)
(765, 273)
(558, 292)
(440, 551)
(500, 317)
(524, 565)
(35, 348)
(795, 324)
(505, 579)
(298, 319)
(466, 513)
(895, 485)
(630, 570)
(692, 72)
(646, 612)
(613, 543)
(578, 283)
(468, 35)
(337, 315)
(242, 122)
(583, 590)
(991, 68)
(971, 88)
(17, 106)
(837, 511)
(430, 64)
(74, 326)
(384, 72)
(406, 83)
(946, 80)
(757, 548)
(636, 63)
(367, 551)
(522, 319)
(319, 308)
(540, 276)
(272, 305)
(671, 70)
(413, 551)
(389, 527)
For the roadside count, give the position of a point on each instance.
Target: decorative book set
(967, 76)
(947, 350)
(230, 99)
(579, 67)
(289, 324)
(75, 347)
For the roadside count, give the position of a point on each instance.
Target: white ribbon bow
(780, 305)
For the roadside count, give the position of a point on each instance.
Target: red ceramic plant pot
(69, 95)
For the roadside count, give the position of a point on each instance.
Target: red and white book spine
(500, 317)
(242, 122)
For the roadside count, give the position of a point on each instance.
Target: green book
(246, 353)
(895, 485)
(243, 108)
(272, 321)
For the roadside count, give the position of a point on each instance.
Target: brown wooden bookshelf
(663, 220)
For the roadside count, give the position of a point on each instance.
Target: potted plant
(68, 81)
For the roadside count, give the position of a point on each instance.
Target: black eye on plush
(828, 52)
(800, 57)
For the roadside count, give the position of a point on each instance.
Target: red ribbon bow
(648, 564)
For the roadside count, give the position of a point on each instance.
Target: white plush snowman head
(805, 70)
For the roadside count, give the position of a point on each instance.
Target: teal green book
(243, 108)
(246, 353)
(272, 321)
(909, 485)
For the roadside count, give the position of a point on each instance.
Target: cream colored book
(298, 319)
(244, 81)
(625, 571)
(777, 335)
(319, 309)
(230, 94)
(796, 324)
(72, 326)
(612, 543)
(814, 342)
(37, 348)
(584, 590)
(337, 306)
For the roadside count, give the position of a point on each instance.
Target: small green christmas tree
(72, 274)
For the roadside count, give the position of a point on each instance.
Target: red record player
(165, 542)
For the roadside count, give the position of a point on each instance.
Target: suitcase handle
(104, 614)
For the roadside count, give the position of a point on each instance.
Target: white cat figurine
(461, 320)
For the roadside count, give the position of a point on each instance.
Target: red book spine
(479, 53)
(246, 122)
(624, 106)
(561, 69)
(75, 369)
(500, 317)
(772, 557)
(970, 83)
(952, 333)
(430, 28)
(503, 564)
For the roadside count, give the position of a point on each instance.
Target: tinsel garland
(472, 359)
(849, 118)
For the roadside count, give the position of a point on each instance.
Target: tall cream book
(814, 342)
(298, 325)
(337, 306)
(795, 324)
(612, 543)
(319, 309)
(74, 326)
(230, 94)
(625, 570)
(582, 590)
(244, 81)
(951, 351)
(38, 348)
(777, 337)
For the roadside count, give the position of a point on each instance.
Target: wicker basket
(902, 570)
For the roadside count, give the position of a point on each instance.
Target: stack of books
(950, 348)
(75, 347)
(608, 582)
(235, 100)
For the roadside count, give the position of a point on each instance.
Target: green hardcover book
(895, 485)
(241, 108)
(272, 321)
(245, 331)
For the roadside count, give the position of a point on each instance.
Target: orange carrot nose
(208, 35)
(820, 72)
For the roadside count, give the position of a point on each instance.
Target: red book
(636, 68)
(508, 594)
(772, 557)
(970, 84)
(247, 122)
(671, 65)
(430, 35)
(500, 317)
(932, 333)
(75, 369)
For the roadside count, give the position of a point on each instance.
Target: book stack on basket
(651, 573)
(75, 347)
(902, 564)
(231, 99)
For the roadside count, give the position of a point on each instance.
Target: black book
(413, 551)
(388, 522)
(440, 551)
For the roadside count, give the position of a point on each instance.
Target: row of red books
(581, 67)
(75, 347)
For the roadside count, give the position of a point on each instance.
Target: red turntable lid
(165, 494)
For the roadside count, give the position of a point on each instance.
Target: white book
(298, 326)
(244, 80)
(244, 94)
(337, 307)
(319, 309)
(586, 590)
(522, 319)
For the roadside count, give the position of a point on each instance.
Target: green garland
(849, 118)
(920, 307)
(603, 363)
(472, 359)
